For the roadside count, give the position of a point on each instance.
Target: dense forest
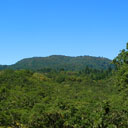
(88, 97)
(58, 62)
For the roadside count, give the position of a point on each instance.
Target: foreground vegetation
(89, 98)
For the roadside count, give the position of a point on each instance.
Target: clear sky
(64, 27)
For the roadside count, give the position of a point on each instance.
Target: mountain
(62, 62)
(3, 67)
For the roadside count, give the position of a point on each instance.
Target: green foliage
(61, 63)
(122, 73)
(122, 58)
(67, 100)
(49, 98)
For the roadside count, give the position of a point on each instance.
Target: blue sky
(64, 27)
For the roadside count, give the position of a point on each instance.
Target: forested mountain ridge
(62, 62)
(3, 67)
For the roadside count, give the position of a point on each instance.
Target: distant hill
(3, 67)
(61, 62)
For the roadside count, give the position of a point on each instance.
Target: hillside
(62, 62)
(3, 67)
